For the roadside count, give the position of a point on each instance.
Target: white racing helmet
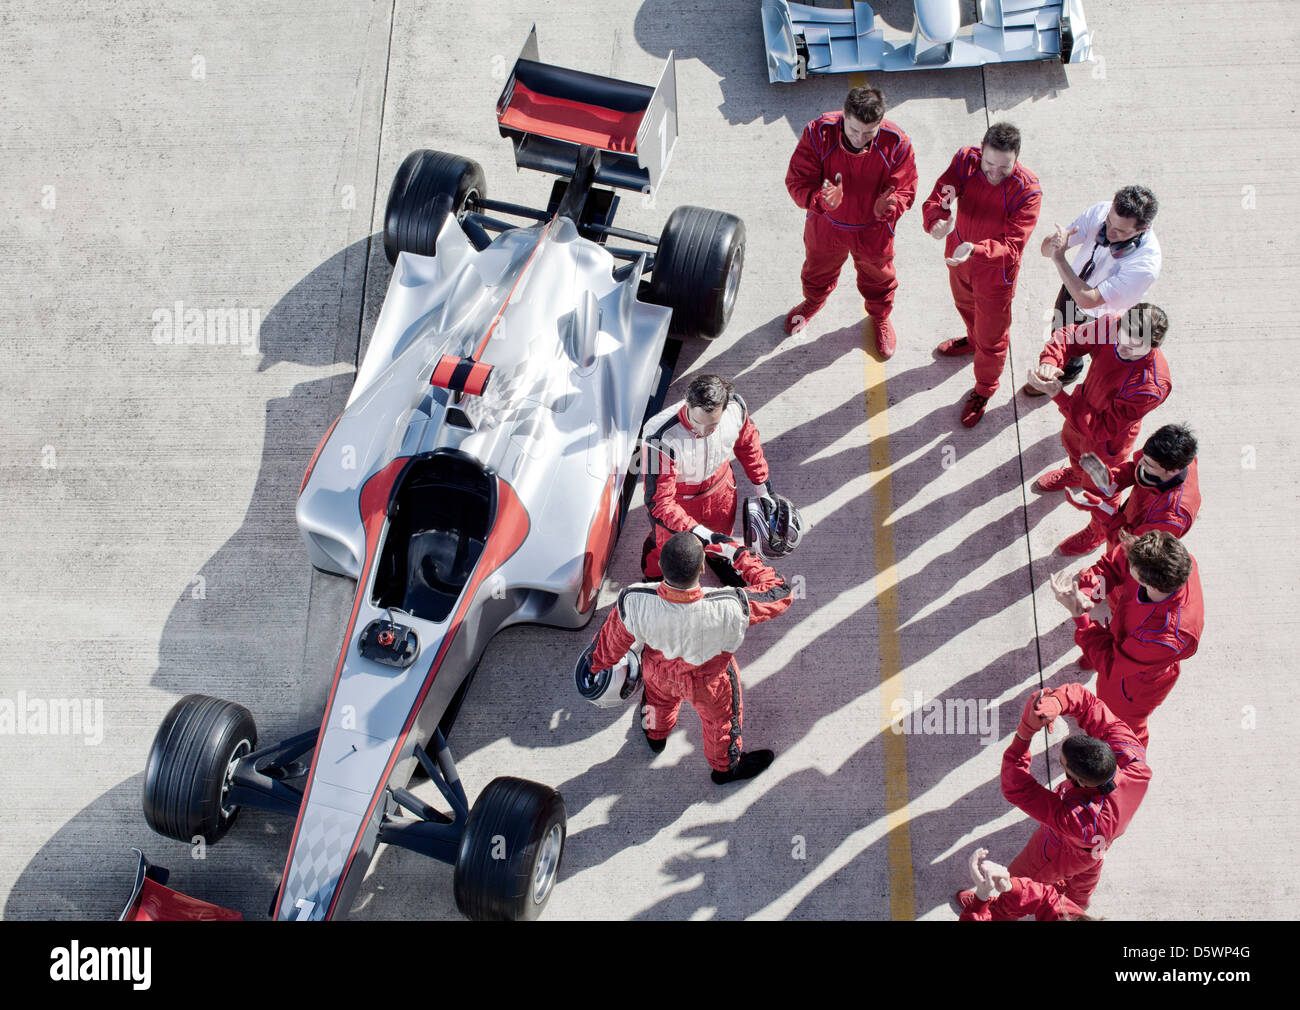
(608, 688)
(772, 525)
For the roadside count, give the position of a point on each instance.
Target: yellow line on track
(902, 904)
(902, 898)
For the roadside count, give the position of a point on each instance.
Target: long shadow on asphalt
(1016, 670)
(792, 713)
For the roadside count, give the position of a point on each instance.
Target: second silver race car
(802, 39)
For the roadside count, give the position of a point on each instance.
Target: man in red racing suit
(854, 172)
(1157, 614)
(1129, 378)
(1026, 897)
(1166, 493)
(686, 458)
(689, 636)
(1106, 777)
(1000, 897)
(984, 240)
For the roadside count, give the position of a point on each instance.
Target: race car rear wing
(550, 112)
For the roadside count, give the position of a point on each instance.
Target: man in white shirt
(1118, 259)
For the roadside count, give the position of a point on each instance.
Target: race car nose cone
(938, 20)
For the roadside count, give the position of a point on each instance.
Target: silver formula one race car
(802, 39)
(477, 478)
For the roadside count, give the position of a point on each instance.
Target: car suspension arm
(261, 779)
(433, 833)
(479, 203)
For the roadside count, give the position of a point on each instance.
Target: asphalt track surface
(155, 154)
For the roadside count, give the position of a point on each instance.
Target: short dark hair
(1160, 560)
(709, 392)
(1002, 137)
(681, 558)
(865, 104)
(1172, 447)
(1137, 202)
(1092, 762)
(1149, 322)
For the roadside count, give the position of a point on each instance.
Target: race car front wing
(802, 39)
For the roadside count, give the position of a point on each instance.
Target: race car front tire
(697, 269)
(186, 778)
(416, 210)
(509, 857)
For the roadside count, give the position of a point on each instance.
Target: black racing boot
(655, 745)
(751, 763)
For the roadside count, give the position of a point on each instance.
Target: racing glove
(1048, 708)
(1098, 472)
(997, 881)
(832, 195)
(886, 204)
(990, 878)
(943, 227)
(727, 548)
(960, 255)
(707, 536)
(1030, 720)
(1089, 502)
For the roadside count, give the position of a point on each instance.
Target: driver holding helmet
(686, 456)
(688, 636)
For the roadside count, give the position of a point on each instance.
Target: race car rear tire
(697, 269)
(414, 214)
(509, 857)
(185, 777)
